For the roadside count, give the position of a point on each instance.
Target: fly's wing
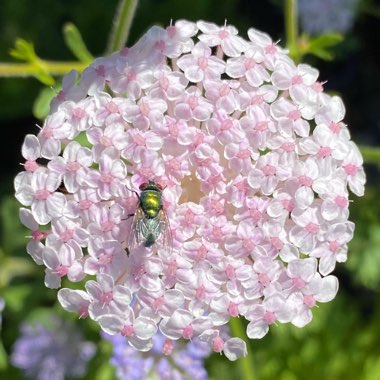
(166, 238)
(135, 237)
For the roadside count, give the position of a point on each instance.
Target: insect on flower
(150, 223)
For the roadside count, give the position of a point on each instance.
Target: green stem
(291, 27)
(370, 154)
(246, 364)
(54, 68)
(121, 25)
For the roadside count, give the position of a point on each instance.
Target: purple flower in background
(54, 352)
(186, 360)
(322, 16)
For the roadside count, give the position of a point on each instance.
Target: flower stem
(291, 28)
(246, 364)
(370, 154)
(121, 25)
(55, 68)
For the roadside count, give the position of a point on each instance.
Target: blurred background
(342, 341)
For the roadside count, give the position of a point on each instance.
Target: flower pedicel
(255, 163)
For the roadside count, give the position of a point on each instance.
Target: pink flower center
(67, 235)
(341, 201)
(269, 170)
(200, 293)
(157, 304)
(324, 152)
(164, 83)
(105, 259)
(305, 181)
(334, 246)
(42, 194)
(139, 140)
(107, 226)
(230, 272)
(127, 330)
(61, 270)
(47, 133)
(131, 74)
(223, 34)
(100, 71)
(188, 332)
(72, 166)
(105, 140)
(263, 279)
(261, 126)
(112, 107)
(217, 344)
(255, 214)
(78, 113)
(106, 298)
(288, 205)
(297, 79)
(193, 101)
(335, 127)
(160, 45)
(317, 87)
(294, 115)
(277, 243)
(39, 235)
(224, 90)
(309, 301)
(171, 30)
(144, 108)
(298, 282)
(249, 63)
(217, 232)
(233, 310)
(351, 169)
(271, 49)
(202, 62)
(84, 204)
(312, 228)
(202, 253)
(83, 312)
(269, 317)
(248, 244)
(226, 125)
(106, 178)
(243, 154)
(257, 99)
(288, 147)
(31, 166)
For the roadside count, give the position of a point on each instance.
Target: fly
(150, 223)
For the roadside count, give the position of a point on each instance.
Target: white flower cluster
(255, 163)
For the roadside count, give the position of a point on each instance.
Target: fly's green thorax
(151, 202)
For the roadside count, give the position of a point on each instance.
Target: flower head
(56, 350)
(166, 360)
(214, 183)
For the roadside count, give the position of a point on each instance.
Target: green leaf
(75, 43)
(23, 51)
(45, 78)
(319, 46)
(41, 106)
(3, 357)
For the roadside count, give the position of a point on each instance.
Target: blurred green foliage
(342, 340)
